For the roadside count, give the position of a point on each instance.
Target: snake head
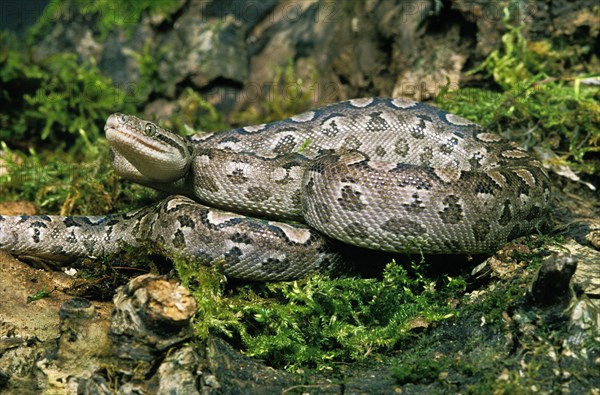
(143, 152)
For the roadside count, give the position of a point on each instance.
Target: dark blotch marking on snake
(309, 187)
(412, 175)
(453, 212)
(274, 265)
(108, 234)
(426, 156)
(206, 182)
(36, 235)
(241, 238)
(415, 206)
(514, 232)
(70, 221)
(112, 222)
(203, 257)
(514, 179)
(481, 229)
(484, 184)
(89, 245)
(186, 220)
(232, 257)
(533, 213)
(376, 123)
(229, 139)
(350, 199)
(418, 130)
(401, 147)
(237, 177)
(71, 238)
(330, 131)
(203, 215)
(36, 231)
(475, 161)
(258, 194)
(285, 145)
(351, 142)
(449, 146)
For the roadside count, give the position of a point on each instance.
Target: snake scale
(384, 174)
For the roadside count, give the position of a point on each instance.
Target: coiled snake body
(384, 174)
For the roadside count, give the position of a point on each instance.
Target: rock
(551, 284)
(203, 51)
(593, 234)
(96, 385)
(150, 320)
(231, 52)
(231, 372)
(178, 374)
(584, 321)
(151, 314)
(84, 337)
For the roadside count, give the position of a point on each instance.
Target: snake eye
(122, 118)
(150, 129)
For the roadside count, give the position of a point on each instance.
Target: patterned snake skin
(385, 174)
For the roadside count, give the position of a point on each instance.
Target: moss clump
(320, 322)
(58, 101)
(543, 99)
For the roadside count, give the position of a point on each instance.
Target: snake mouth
(129, 139)
(123, 137)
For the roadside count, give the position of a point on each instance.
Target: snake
(274, 201)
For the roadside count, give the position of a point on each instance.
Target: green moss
(64, 184)
(58, 101)
(543, 100)
(547, 115)
(320, 322)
